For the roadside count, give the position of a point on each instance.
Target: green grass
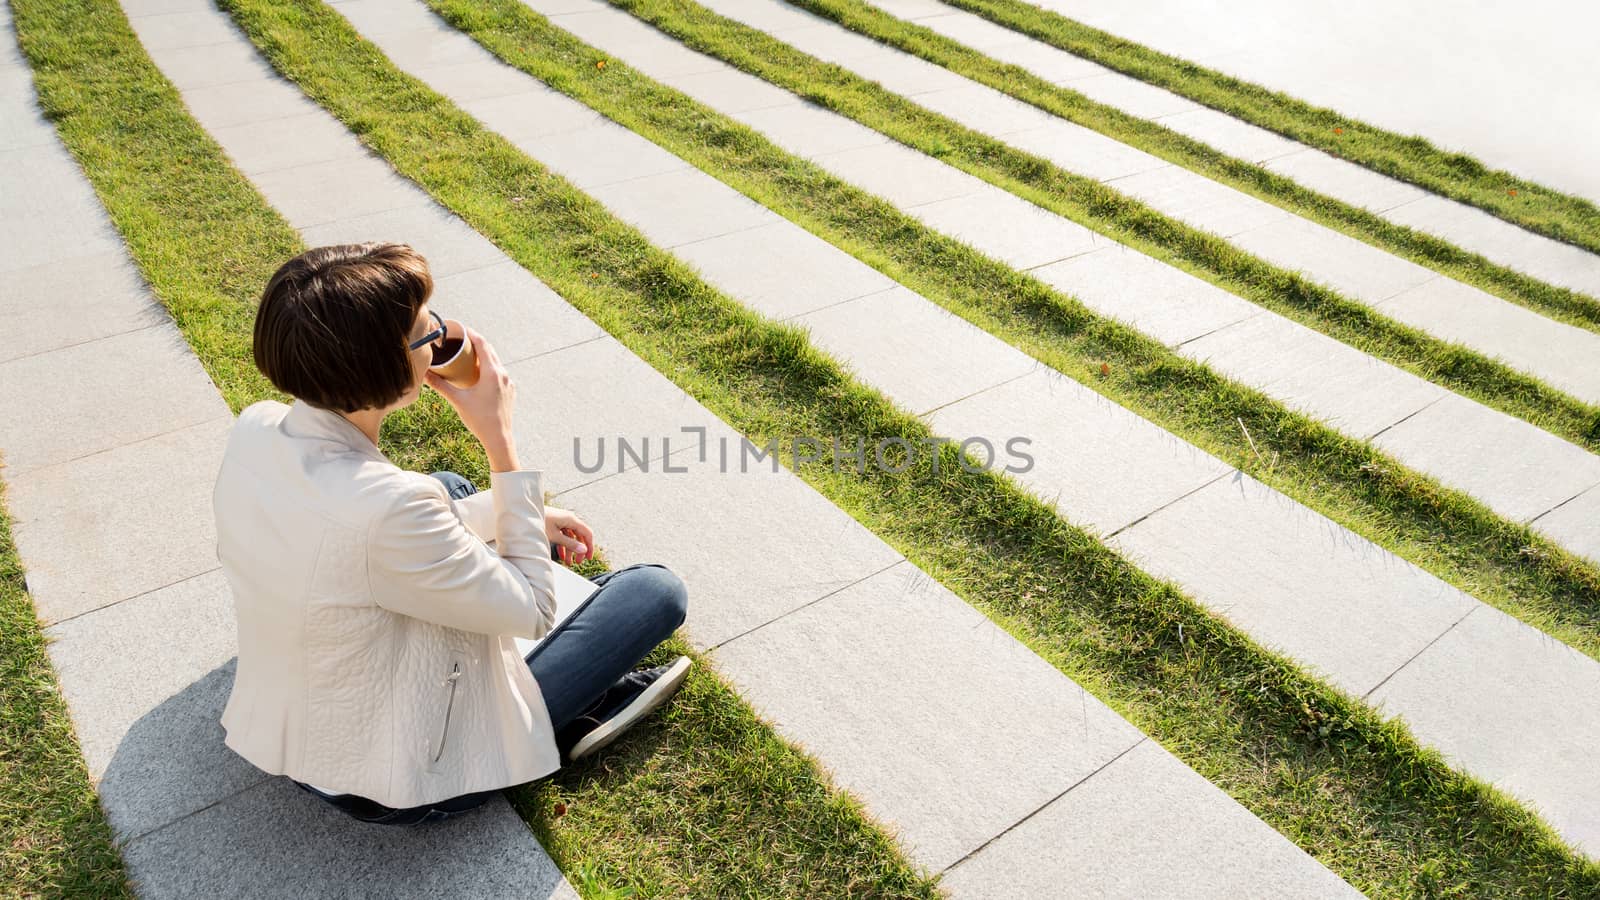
(1438, 254)
(207, 242)
(704, 777)
(54, 839)
(1357, 792)
(1124, 219)
(1413, 159)
(1440, 530)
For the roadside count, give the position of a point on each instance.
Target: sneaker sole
(647, 702)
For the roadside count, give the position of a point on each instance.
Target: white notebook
(571, 590)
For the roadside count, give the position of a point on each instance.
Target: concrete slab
(1434, 68)
(1099, 839)
(920, 355)
(782, 270)
(902, 73)
(1564, 356)
(601, 155)
(449, 244)
(776, 18)
(810, 131)
(106, 527)
(570, 396)
(101, 394)
(1165, 303)
(901, 175)
(137, 8)
(255, 147)
(1200, 202)
(148, 721)
(21, 123)
(429, 47)
(525, 317)
(982, 107)
(1232, 136)
(486, 853)
(914, 668)
(974, 31)
(375, 17)
(1467, 445)
(1522, 730)
(1473, 229)
(731, 91)
(825, 42)
(1358, 270)
(74, 300)
(190, 28)
(318, 193)
(619, 33)
(1130, 95)
(1314, 374)
(475, 79)
(775, 570)
(682, 206)
(1101, 466)
(1009, 229)
(243, 102)
(1575, 524)
(48, 213)
(1356, 185)
(913, 9)
(1043, 60)
(208, 64)
(523, 116)
(1295, 581)
(1084, 152)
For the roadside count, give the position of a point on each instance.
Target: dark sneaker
(634, 696)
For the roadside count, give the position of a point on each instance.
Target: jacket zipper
(455, 672)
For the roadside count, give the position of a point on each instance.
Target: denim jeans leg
(634, 609)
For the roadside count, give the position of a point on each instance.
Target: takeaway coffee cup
(453, 357)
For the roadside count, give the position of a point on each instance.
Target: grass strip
(1124, 219)
(206, 242)
(1563, 304)
(1356, 791)
(1444, 531)
(1413, 159)
(54, 838)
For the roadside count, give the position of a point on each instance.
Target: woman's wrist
(502, 455)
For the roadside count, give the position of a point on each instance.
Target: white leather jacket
(375, 622)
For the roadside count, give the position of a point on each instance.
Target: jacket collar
(303, 419)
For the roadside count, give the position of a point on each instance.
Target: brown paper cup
(456, 362)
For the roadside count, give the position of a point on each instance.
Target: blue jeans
(634, 609)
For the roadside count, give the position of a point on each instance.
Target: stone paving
(1560, 354)
(992, 748)
(1465, 226)
(987, 763)
(1293, 579)
(1513, 467)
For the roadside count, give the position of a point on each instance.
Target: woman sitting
(377, 663)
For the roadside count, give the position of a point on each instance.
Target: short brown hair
(334, 322)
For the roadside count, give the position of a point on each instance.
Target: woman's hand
(485, 408)
(570, 534)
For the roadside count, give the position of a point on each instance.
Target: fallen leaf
(1512, 192)
(1338, 131)
(560, 809)
(1105, 369)
(600, 65)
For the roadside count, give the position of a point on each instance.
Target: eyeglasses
(431, 337)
